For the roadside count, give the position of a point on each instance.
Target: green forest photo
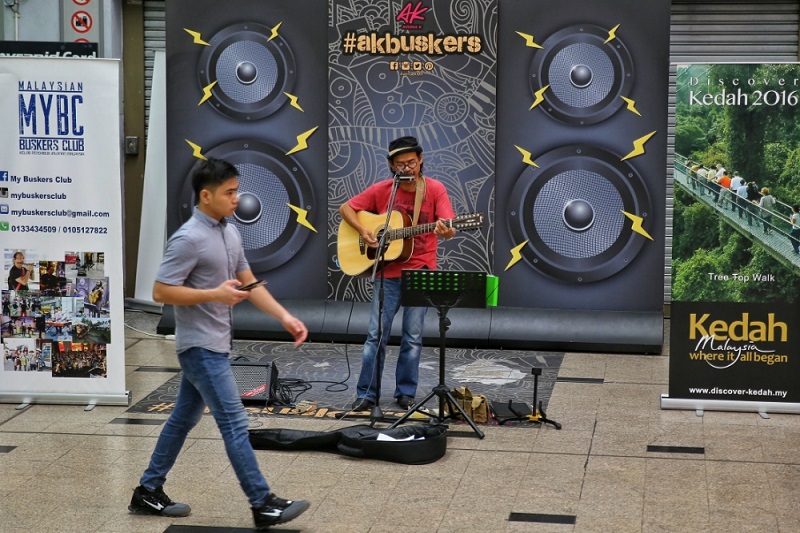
(737, 178)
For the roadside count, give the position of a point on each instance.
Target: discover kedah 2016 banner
(736, 266)
(61, 232)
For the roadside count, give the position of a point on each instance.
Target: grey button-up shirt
(202, 254)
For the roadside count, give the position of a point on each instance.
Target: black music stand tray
(442, 289)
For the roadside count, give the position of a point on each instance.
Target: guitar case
(360, 441)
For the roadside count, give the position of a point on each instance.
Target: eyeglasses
(410, 164)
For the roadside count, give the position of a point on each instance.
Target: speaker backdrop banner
(736, 267)
(573, 165)
(246, 82)
(581, 154)
(61, 226)
(422, 68)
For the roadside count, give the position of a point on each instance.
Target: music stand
(442, 289)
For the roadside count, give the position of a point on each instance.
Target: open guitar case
(360, 441)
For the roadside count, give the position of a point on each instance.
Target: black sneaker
(406, 402)
(362, 404)
(277, 511)
(156, 502)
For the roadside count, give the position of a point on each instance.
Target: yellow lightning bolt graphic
(301, 217)
(638, 146)
(612, 34)
(631, 105)
(528, 40)
(526, 156)
(207, 92)
(293, 101)
(637, 225)
(515, 255)
(196, 150)
(301, 141)
(539, 97)
(275, 31)
(196, 36)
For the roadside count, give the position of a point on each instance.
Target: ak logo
(411, 14)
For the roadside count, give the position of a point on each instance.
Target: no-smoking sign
(81, 21)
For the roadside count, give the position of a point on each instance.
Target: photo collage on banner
(736, 266)
(55, 316)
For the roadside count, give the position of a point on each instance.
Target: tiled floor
(620, 464)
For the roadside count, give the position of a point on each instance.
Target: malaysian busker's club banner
(61, 232)
(736, 267)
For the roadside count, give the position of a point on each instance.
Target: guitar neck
(412, 231)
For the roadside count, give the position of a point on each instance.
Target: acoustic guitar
(356, 257)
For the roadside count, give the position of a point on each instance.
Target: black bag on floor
(361, 441)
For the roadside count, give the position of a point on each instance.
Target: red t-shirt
(435, 205)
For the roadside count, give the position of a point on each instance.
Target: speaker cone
(570, 212)
(586, 75)
(269, 181)
(252, 69)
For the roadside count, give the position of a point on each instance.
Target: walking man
(201, 273)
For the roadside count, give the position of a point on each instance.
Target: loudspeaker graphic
(269, 182)
(581, 154)
(582, 73)
(247, 69)
(246, 82)
(570, 212)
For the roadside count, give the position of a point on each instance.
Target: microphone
(402, 175)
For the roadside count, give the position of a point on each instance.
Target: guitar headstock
(471, 221)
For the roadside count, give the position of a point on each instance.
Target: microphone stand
(383, 244)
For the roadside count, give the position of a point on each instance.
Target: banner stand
(90, 400)
(143, 305)
(62, 323)
(153, 221)
(734, 307)
(700, 405)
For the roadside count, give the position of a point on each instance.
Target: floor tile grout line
(15, 415)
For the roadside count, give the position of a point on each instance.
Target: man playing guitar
(414, 189)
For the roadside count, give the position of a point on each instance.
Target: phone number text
(98, 230)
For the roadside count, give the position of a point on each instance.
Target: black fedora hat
(403, 145)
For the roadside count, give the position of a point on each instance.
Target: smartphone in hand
(251, 286)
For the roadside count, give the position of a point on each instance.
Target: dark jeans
(794, 238)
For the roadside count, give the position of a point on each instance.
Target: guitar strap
(421, 184)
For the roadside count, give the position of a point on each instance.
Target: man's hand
(228, 293)
(442, 230)
(369, 239)
(297, 329)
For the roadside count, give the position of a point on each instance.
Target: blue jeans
(207, 379)
(407, 372)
